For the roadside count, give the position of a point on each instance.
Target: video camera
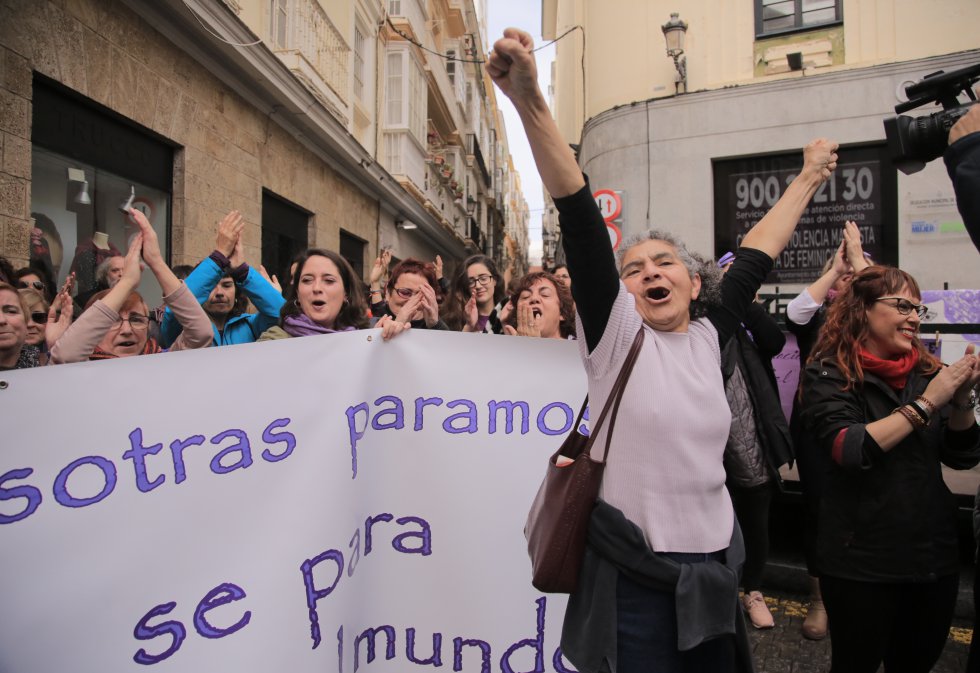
(915, 141)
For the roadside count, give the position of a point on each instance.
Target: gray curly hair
(696, 265)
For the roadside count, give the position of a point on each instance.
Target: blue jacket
(241, 329)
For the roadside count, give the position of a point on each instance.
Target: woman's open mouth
(657, 294)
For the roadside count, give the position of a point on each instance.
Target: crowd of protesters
(876, 415)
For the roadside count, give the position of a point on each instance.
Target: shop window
(86, 163)
(284, 235)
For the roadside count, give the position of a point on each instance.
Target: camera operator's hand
(967, 124)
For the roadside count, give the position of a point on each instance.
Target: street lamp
(674, 31)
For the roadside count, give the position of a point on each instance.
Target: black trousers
(904, 626)
(752, 511)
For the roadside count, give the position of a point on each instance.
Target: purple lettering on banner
(220, 595)
(543, 415)
(469, 416)
(583, 429)
(786, 367)
(558, 662)
(29, 493)
(137, 452)
(177, 452)
(368, 524)
(397, 410)
(484, 646)
(537, 643)
(61, 493)
(509, 407)
(287, 438)
(355, 552)
(420, 404)
(425, 535)
(313, 594)
(369, 635)
(435, 659)
(355, 434)
(242, 447)
(340, 649)
(144, 631)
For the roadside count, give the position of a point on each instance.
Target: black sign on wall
(862, 189)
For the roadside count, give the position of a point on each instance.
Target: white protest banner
(331, 503)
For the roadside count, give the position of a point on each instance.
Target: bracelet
(927, 403)
(921, 410)
(911, 416)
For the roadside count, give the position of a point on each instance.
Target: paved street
(784, 650)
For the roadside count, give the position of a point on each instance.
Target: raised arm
(591, 265)
(512, 68)
(773, 231)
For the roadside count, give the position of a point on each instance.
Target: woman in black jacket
(888, 414)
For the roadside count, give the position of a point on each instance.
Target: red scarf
(893, 372)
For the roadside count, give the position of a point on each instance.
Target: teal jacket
(242, 328)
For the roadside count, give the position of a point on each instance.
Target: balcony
(316, 52)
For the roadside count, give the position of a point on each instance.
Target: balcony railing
(312, 36)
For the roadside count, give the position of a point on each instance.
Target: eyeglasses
(483, 279)
(36, 284)
(905, 307)
(135, 320)
(405, 293)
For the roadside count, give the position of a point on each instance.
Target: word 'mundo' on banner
(331, 503)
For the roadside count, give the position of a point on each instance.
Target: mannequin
(88, 256)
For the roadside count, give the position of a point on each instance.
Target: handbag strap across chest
(612, 402)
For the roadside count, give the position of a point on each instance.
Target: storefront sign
(861, 190)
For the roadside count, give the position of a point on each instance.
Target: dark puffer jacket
(884, 516)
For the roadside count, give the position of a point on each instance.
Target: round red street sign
(615, 235)
(610, 205)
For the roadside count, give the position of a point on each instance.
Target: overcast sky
(524, 14)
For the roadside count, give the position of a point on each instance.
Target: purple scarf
(300, 326)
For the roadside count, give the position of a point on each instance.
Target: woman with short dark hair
(542, 307)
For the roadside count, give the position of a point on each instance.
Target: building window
(359, 43)
(395, 7)
(279, 23)
(85, 163)
(783, 16)
(405, 95)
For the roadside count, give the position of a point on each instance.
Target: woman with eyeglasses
(888, 414)
(412, 296)
(116, 321)
(478, 297)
